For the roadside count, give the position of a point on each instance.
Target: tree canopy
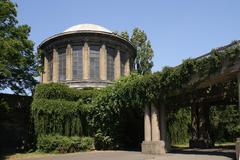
(143, 61)
(17, 60)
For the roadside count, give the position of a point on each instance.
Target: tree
(143, 61)
(17, 60)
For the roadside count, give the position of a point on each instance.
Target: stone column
(117, 66)
(103, 63)
(127, 67)
(86, 61)
(163, 127)
(237, 148)
(147, 124)
(155, 125)
(45, 72)
(55, 65)
(69, 62)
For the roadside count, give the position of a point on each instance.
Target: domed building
(86, 55)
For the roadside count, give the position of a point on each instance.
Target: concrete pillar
(155, 125)
(103, 63)
(117, 66)
(155, 146)
(55, 65)
(127, 67)
(147, 124)
(237, 148)
(163, 127)
(69, 62)
(86, 61)
(45, 72)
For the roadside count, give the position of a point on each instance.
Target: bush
(62, 91)
(63, 144)
(57, 117)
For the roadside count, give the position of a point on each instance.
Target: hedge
(63, 144)
(62, 91)
(57, 117)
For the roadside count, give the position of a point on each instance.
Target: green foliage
(143, 61)
(62, 91)
(58, 109)
(178, 123)
(56, 117)
(63, 144)
(17, 64)
(224, 122)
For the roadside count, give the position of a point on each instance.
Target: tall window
(110, 63)
(123, 62)
(94, 62)
(77, 67)
(62, 64)
(49, 57)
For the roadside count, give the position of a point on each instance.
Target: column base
(200, 143)
(153, 147)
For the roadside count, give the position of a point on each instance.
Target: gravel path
(131, 155)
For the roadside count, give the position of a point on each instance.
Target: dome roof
(87, 27)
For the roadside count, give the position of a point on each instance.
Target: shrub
(62, 91)
(57, 117)
(63, 144)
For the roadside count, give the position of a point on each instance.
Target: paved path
(130, 155)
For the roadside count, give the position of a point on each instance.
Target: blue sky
(177, 29)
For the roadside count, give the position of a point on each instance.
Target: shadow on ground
(227, 151)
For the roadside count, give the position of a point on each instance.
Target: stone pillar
(127, 67)
(155, 125)
(69, 62)
(117, 66)
(238, 149)
(45, 72)
(103, 63)
(86, 61)
(147, 124)
(55, 65)
(163, 127)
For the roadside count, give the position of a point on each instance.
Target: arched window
(110, 63)
(123, 62)
(49, 57)
(77, 68)
(94, 62)
(62, 64)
